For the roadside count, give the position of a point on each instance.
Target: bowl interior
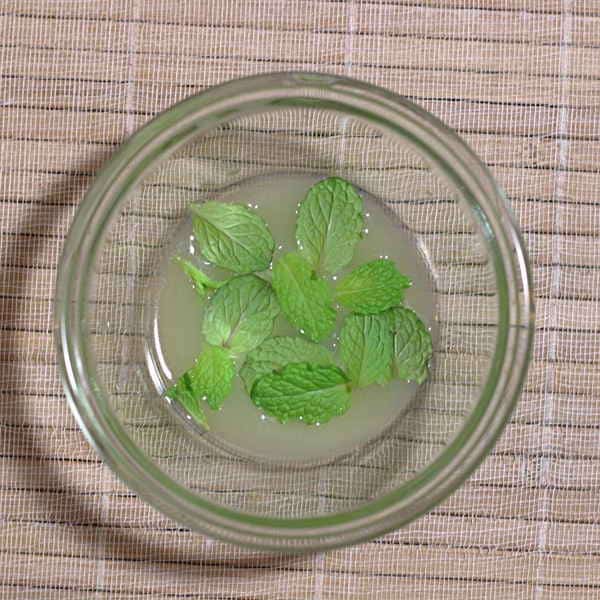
(297, 140)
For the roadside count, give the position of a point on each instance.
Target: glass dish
(428, 180)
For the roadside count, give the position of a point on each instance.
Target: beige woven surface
(520, 81)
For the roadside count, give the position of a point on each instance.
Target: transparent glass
(428, 180)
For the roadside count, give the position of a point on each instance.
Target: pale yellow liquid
(176, 334)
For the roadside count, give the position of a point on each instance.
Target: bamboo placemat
(518, 79)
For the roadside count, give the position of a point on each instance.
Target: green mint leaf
(276, 352)
(210, 379)
(330, 222)
(412, 346)
(367, 347)
(372, 288)
(241, 314)
(212, 376)
(302, 391)
(305, 299)
(233, 237)
(182, 393)
(200, 281)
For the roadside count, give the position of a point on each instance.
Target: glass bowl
(429, 182)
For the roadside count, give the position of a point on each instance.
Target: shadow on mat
(55, 480)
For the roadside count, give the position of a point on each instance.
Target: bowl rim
(454, 160)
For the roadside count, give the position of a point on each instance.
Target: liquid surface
(176, 331)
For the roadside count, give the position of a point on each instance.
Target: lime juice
(176, 330)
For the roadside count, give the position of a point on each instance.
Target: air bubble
(189, 417)
(302, 331)
(300, 418)
(192, 249)
(271, 266)
(206, 263)
(255, 206)
(334, 278)
(205, 398)
(367, 215)
(249, 204)
(280, 247)
(263, 417)
(318, 424)
(366, 231)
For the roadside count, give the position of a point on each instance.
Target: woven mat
(519, 80)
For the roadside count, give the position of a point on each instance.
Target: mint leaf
(233, 237)
(412, 346)
(241, 313)
(330, 222)
(276, 352)
(305, 299)
(372, 287)
(212, 376)
(210, 379)
(302, 391)
(200, 281)
(183, 393)
(366, 346)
